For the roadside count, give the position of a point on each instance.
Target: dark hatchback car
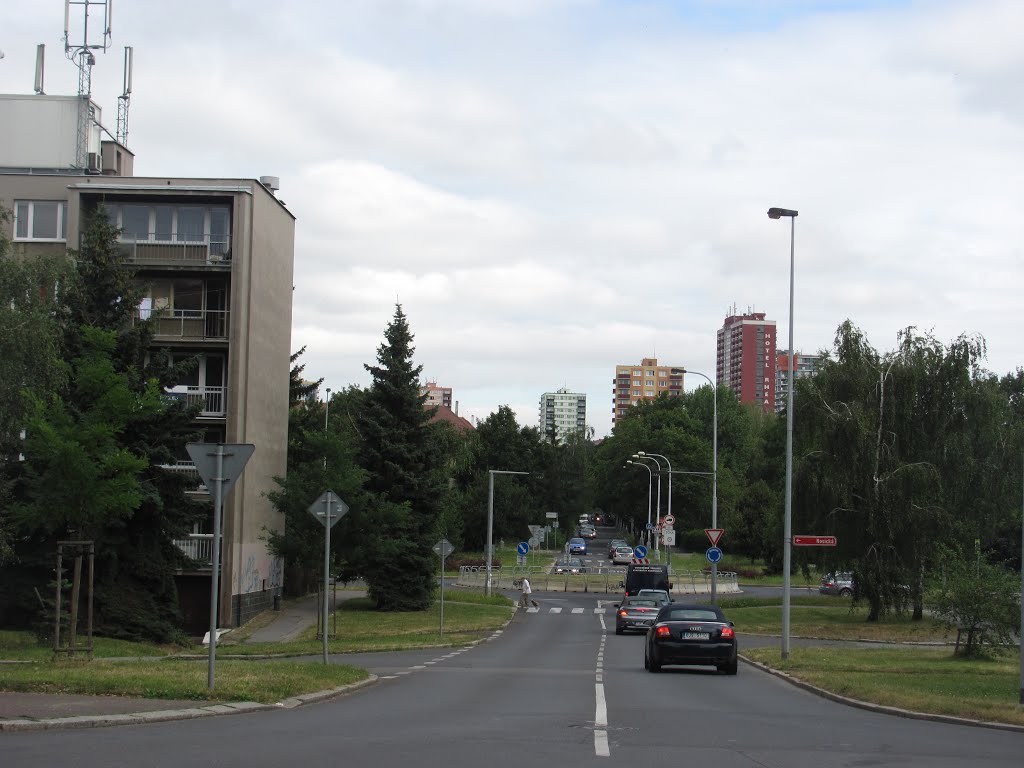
(691, 634)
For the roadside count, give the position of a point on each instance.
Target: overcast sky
(552, 187)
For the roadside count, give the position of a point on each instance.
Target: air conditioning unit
(92, 162)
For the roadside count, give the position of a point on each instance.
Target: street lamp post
(778, 213)
(490, 519)
(327, 414)
(659, 456)
(714, 471)
(641, 457)
(650, 481)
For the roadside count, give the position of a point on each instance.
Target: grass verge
(179, 679)
(359, 628)
(831, 618)
(918, 679)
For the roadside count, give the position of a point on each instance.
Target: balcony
(188, 469)
(164, 249)
(199, 547)
(212, 399)
(187, 324)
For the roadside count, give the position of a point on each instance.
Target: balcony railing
(195, 324)
(188, 469)
(198, 546)
(163, 248)
(212, 398)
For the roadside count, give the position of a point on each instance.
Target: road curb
(166, 715)
(881, 708)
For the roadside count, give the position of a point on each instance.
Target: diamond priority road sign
(443, 548)
(815, 541)
(328, 504)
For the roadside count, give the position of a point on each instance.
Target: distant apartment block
(746, 358)
(436, 396)
(563, 412)
(216, 257)
(803, 366)
(633, 383)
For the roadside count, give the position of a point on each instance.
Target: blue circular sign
(640, 551)
(714, 554)
(522, 547)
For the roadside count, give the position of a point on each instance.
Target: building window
(40, 220)
(174, 223)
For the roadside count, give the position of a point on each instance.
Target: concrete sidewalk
(33, 711)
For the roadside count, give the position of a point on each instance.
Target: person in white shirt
(528, 594)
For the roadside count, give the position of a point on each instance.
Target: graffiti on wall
(260, 570)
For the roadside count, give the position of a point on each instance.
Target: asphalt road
(555, 688)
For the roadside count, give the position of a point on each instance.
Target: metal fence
(600, 579)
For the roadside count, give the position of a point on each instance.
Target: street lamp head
(640, 453)
(678, 370)
(778, 213)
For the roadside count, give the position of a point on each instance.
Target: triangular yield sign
(714, 534)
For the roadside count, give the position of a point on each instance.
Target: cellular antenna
(95, 37)
(40, 58)
(124, 100)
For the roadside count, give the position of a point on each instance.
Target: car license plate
(696, 635)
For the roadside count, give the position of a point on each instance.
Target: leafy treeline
(902, 455)
(80, 380)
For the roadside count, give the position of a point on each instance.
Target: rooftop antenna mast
(124, 99)
(94, 37)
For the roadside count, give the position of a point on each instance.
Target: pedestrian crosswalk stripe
(577, 610)
(554, 610)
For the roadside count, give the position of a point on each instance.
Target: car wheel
(729, 668)
(653, 665)
(618, 630)
(647, 664)
(845, 592)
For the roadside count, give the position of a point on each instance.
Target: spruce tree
(403, 459)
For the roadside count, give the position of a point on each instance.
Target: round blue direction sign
(640, 551)
(714, 554)
(522, 547)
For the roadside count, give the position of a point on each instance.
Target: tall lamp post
(641, 457)
(650, 481)
(490, 518)
(787, 553)
(327, 415)
(714, 470)
(659, 456)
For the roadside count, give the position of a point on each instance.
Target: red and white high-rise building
(747, 358)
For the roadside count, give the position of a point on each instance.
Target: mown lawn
(919, 679)
(830, 618)
(178, 679)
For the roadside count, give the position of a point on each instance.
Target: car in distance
(613, 545)
(691, 634)
(635, 613)
(577, 546)
(623, 555)
(661, 595)
(598, 519)
(569, 565)
(588, 532)
(837, 583)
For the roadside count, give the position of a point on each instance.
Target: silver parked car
(837, 583)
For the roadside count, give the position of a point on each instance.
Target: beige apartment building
(217, 257)
(633, 383)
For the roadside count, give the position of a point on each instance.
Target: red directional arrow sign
(815, 541)
(714, 534)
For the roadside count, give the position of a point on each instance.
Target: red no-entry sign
(814, 541)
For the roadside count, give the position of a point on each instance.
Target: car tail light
(623, 613)
(663, 632)
(728, 633)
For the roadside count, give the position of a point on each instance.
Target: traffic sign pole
(219, 464)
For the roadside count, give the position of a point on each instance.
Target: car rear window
(690, 614)
(643, 603)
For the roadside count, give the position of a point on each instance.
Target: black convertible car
(691, 634)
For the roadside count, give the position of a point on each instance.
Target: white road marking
(554, 610)
(418, 666)
(389, 677)
(601, 724)
(577, 610)
(599, 610)
(532, 610)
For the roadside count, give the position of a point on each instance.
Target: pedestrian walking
(528, 594)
